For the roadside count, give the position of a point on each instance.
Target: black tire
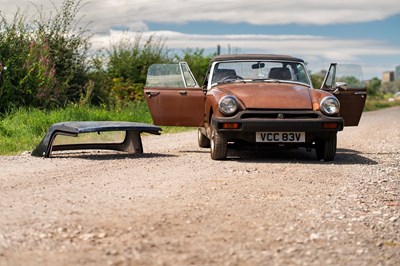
(204, 142)
(326, 150)
(218, 145)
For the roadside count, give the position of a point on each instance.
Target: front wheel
(326, 149)
(219, 145)
(204, 142)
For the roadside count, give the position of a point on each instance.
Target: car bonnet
(270, 95)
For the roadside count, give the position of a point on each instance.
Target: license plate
(282, 137)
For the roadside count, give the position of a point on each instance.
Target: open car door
(173, 96)
(345, 82)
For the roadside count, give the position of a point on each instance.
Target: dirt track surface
(173, 205)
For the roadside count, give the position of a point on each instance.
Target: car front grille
(284, 114)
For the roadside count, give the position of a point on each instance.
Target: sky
(364, 32)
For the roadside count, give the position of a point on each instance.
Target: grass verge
(376, 103)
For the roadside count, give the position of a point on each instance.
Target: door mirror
(340, 86)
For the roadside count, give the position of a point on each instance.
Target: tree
(318, 78)
(390, 87)
(373, 86)
(45, 58)
(128, 62)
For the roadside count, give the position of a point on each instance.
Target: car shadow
(108, 156)
(205, 150)
(343, 156)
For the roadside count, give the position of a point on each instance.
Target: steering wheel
(231, 78)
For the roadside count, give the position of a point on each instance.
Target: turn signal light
(230, 125)
(330, 125)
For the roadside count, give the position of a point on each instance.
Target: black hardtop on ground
(233, 57)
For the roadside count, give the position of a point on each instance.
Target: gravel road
(173, 205)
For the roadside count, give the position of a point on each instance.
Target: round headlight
(228, 105)
(330, 105)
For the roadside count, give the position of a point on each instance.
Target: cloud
(318, 51)
(301, 45)
(256, 12)
(108, 14)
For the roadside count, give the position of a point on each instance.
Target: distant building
(397, 73)
(387, 76)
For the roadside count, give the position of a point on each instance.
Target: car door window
(164, 75)
(170, 76)
(350, 74)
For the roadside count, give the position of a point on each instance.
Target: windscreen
(259, 70)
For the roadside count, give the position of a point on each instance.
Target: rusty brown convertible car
(260, 100)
